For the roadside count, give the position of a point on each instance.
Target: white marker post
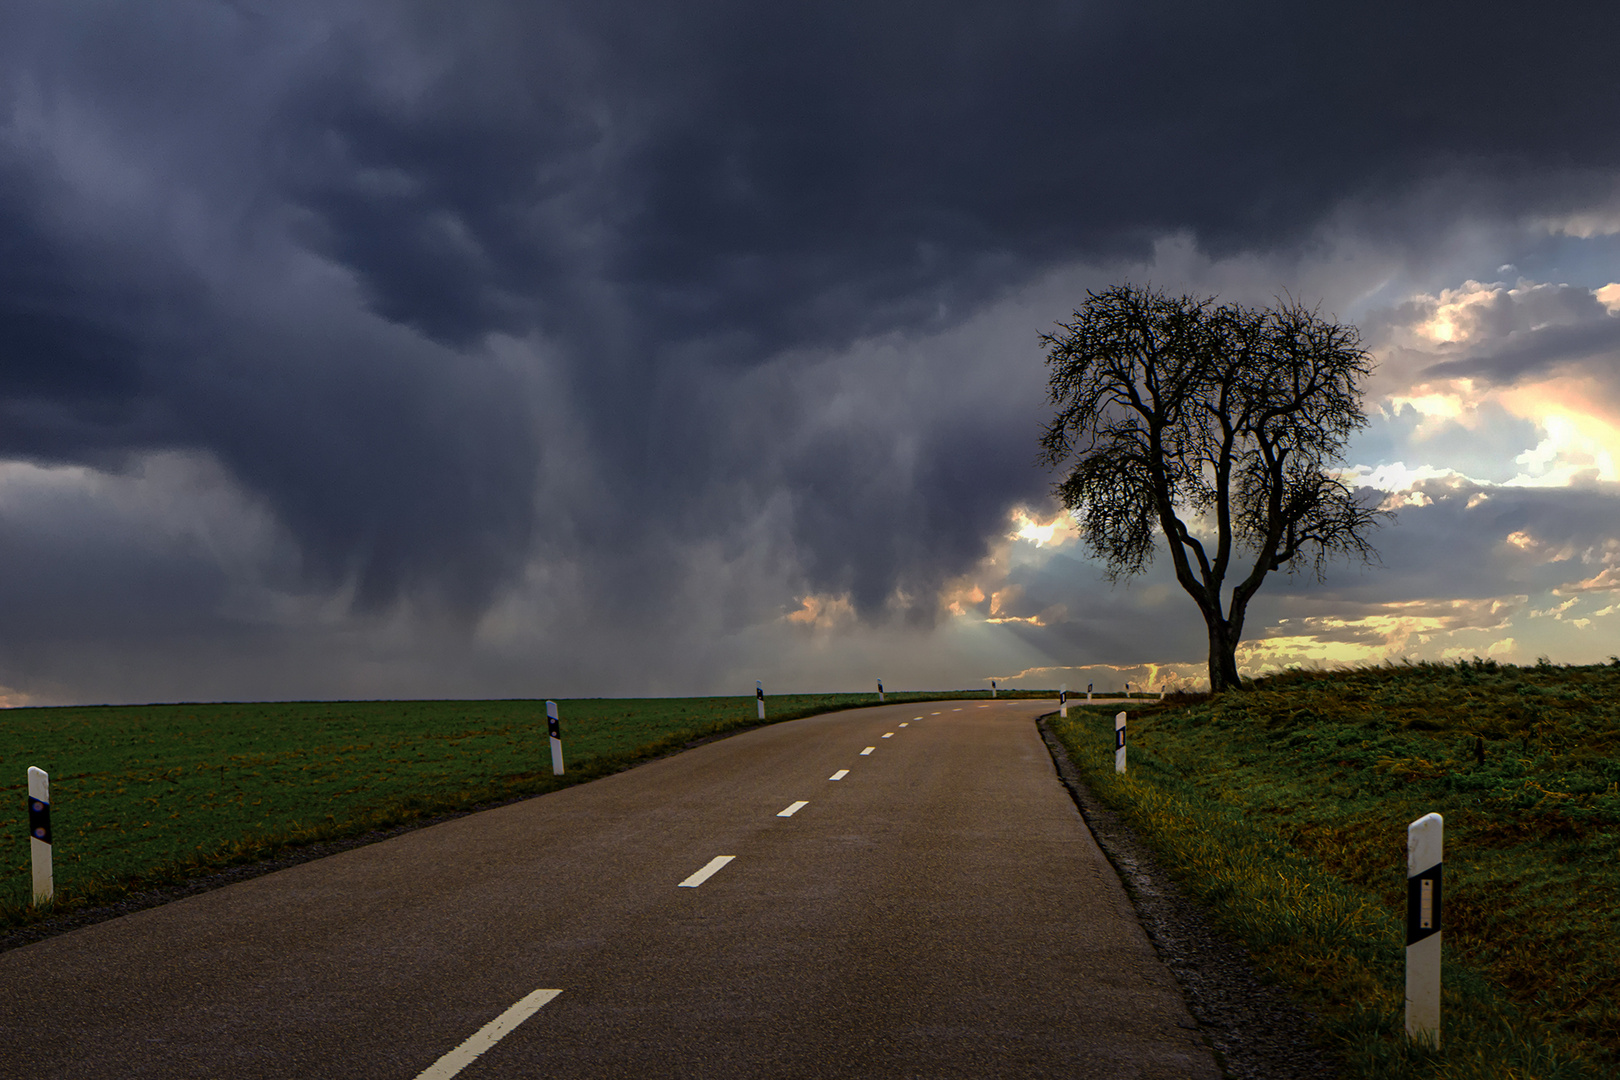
(880, 689)
(759, 696)
(1088, 691)
(556, 739)
(992, 688)
(39, 834)
(1424, 859)
(1063, 700)
(1119, 742)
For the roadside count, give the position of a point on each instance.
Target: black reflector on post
(1423, 904)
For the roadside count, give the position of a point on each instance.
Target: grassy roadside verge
(156, 795)
(1284, 812)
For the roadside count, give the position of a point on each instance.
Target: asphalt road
(940, 911)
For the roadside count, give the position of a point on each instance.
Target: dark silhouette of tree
(1215, 427)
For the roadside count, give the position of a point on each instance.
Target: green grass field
(153, 794)
(1285, 809)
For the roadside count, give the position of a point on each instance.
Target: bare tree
(1215, 427)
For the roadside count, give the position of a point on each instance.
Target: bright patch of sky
(1484, 387)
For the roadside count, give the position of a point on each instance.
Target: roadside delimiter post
(759, 696)
(1063, 700)
(1088, 691)
(39, 833)
(1424, 860)
(880, 692)
(556, 739)
(992, 688)
(1119, 742)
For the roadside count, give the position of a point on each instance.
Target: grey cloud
(1524, 353)
(804, 174)
(1456, 551)
(1504, 334)
(1151, 619)
(301, 240)
(1393, 437)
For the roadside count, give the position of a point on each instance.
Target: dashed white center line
(486, 1037)
(888, 735)
(839, 775)
(868, 750)
(794, 809)
(917, 718)
(930, 714)
(903, 725)
(956, 710)
(706, 873)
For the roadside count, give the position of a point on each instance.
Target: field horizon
(1281, 810)
(153, 795)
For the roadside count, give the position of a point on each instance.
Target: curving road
(939, 911)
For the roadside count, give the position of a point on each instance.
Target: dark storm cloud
(73, 337)
(807, 172)
(329, 246)
(870, 526)
(729, 180)
(147, 304)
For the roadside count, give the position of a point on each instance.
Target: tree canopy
(1216, 427)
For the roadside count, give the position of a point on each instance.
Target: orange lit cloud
(1608, 557)
(823, 613)
(1431, 627)
(1466, 358)
(1111, 678)
(985, 591)
(14, 699)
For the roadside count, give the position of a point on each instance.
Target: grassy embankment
(155, 794)
(1284, 810)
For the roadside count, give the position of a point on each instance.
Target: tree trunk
(1223, 672)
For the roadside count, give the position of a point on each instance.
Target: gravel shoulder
(1256, 1031)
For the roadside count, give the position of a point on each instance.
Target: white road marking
(981, 706)
(706, 873)
(839, 775)
(868, 750)
(486, 1037)
(903, 725)
(794, 809)
(917, 718)
(956, 710)
(888, 735)
(930, 714)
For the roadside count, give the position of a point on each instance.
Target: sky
(487, 350)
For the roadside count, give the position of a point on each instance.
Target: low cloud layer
(379, 350)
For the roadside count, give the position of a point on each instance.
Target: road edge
(1255, 1030)
(296, 854)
